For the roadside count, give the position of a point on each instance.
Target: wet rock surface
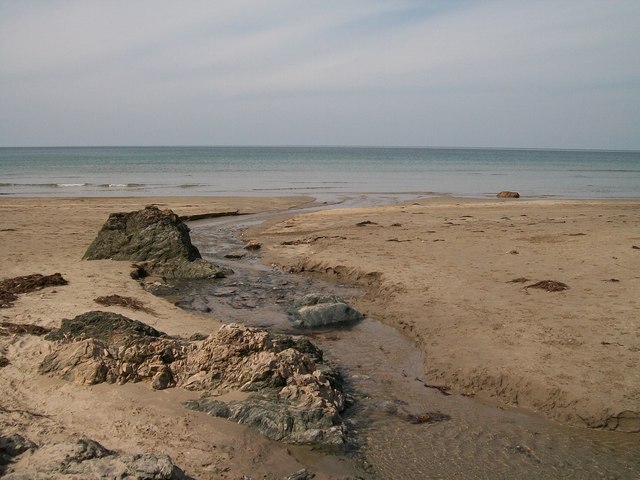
(508, 194)
(159, 238)
(317, 310)
(79, 459)
(295, 397)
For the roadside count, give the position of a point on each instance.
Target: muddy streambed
(400, 428)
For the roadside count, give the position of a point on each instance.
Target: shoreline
(413, 282)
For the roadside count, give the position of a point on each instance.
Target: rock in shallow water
(279, 419)
(316, 310)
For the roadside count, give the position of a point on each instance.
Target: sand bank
(454, 275)
(51, 235)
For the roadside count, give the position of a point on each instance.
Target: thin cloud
(463, 69)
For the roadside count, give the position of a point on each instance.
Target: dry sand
(438, 269)
(442, 271)
(51, 235)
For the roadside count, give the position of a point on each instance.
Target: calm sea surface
(317, 171)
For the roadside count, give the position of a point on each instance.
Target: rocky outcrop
(157, 237)
(295, 397)
(278, 419)
(508, 194)
(98, 347)
(22, 459)
(315, 310)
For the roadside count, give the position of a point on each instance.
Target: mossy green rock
(159, 238)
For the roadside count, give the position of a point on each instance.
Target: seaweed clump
(549, 286)
(120, 301)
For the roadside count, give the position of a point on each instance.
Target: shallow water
(383, 369)
(164, 171)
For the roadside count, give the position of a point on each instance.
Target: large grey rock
(159, 238)
(315, 310)
(148, 234)
(84, 459)
(295, 397)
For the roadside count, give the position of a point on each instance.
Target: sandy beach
(51, 235)
(455, 275)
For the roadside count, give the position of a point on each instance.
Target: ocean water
(316, 171)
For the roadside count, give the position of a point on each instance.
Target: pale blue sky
(562, 74)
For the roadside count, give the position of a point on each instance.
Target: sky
(517, 73)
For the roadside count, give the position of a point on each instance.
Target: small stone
(236, 255)
(253, 245)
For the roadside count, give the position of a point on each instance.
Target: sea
(322, 172)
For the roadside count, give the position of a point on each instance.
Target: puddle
(402, 428)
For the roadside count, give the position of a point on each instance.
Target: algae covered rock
(148, 234)
(159, 238)
(315, 310)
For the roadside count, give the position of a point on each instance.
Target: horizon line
(420, 147)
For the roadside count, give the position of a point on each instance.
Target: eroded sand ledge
(443, 271)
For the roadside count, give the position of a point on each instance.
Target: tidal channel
(464, 438)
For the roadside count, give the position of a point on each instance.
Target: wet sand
(439, 270)
(455, 275)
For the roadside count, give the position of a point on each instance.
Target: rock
(507, 194)
(105, 327)
(236, 254)
(279, 420)
(83, 458)
(138, 272)
(253, 245)
(12, 446)
(163, 379)
(210, 406)
(155, 236)
(148, 234)
(295, 398)
(316, 310)
(98, 347)
(198, 269)
(303, 474)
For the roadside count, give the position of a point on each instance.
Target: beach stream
(460, 438)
